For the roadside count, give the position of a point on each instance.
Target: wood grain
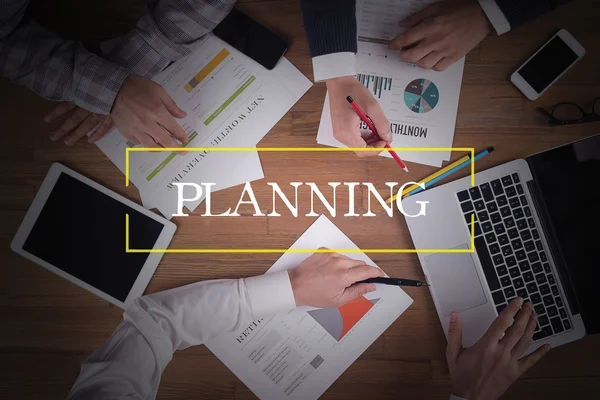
(49, 325)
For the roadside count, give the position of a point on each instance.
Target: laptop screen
(568, 179)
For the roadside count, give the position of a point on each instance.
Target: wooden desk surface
(50, 325)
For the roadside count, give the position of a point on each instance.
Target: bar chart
(207, 70)
(377, 84)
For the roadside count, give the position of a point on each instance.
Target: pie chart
(421, 96)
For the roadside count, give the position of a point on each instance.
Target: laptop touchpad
(455, 281)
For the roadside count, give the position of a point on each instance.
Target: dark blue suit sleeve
(518, 12)
(330, 26)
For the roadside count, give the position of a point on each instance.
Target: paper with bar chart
(299, 354)
(230, 101)
(421, 105)
(377, 23)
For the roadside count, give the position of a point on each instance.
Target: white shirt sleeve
(334, 65)
(495, 16)
(130, 363)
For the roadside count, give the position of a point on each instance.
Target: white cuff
(453, 397)
(334, 65)
(270, 294)
(495, 15)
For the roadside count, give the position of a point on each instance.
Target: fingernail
(519, 301)
(453, 317)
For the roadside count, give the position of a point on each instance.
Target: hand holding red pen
(346, 122)
(365, 118)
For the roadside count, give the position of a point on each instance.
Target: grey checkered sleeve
(168, 31)
(59, 69)
(55, 68)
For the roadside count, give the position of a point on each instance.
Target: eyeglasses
(571, 113)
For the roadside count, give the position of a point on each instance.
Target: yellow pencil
(430, 177)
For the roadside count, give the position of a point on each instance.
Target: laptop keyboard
(511, 253)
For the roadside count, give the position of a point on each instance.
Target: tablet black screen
(81, 231)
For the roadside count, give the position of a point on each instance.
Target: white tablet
(76, 229)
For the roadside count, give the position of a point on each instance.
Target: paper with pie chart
(339, 321)
(298, 354)
(421, 96)
(420, 104)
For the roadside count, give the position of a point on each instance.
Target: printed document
(421, 105)
(299, 354)
(231, 101)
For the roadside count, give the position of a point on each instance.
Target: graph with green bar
(169, 158)
(230, 100)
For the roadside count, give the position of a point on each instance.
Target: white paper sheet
(233, 105)
(421, 105)
(247, 169)
(231, 101)
(325, 137)
(301, 353)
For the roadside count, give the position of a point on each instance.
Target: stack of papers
(421, 105)
(299, 354)
(231, 102)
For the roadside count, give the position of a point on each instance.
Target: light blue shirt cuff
(334, 65)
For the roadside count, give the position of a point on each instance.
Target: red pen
(371, 126)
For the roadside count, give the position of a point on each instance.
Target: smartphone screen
(251, 38)
(547, 65)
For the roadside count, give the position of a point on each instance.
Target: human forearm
(510, 14)
(168, 31)
(59, 69)
(131, 361)
(331, 33)
(330, 26)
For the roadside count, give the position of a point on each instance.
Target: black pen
(394, 281)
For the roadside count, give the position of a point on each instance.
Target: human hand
(78, 124)
(442, 33)
(327, 280)
(345, 121)
(490, 366)
(143, 112)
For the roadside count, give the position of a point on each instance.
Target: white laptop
(535, 236)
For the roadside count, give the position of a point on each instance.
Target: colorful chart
(207, 70)
(421, 96)
(339, 321)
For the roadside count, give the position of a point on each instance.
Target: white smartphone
(547, 65)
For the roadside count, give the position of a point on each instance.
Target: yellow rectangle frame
(297, 149)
